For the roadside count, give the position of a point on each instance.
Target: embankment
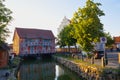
(89, 72)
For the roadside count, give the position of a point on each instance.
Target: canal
(45, 70)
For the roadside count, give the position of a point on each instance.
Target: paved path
(10, 75)
(2, 74)
(112, 60)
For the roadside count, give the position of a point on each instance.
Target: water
(45, 70)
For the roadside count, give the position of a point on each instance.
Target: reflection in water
(42, 70)
(37, 71)
(59, 71)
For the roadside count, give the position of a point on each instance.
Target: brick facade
(33, 41)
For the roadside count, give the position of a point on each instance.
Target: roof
(34, 33)
(117, 39)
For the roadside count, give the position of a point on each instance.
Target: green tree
(66, 38)
(110, 40)
(5, 18)
(87, 25)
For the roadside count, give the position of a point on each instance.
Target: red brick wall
(3, 59)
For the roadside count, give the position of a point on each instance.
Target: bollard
(103, 63)
(82, 57)
(105, 59)
(92, 60)
(119, 59)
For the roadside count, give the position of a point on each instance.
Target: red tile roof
(117, 39)
(34, 33)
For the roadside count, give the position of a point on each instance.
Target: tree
(66, 38)
(110, 40)
(5, 18)
(87, 25)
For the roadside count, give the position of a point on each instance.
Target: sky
(48, 14)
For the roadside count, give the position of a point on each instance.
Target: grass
(87, 64)
(69, 57)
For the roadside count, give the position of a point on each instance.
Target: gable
(15, 35)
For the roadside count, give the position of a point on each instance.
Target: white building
(64, 23)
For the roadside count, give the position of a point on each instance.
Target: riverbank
(10, 72)
(14, 68)
(89, 71)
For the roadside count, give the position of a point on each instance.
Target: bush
(89, 55)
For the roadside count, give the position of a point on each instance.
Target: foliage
(14, 62)
(87, 25)
(118, 71)
(5, 18)
(90, 55)
(65, 37)
(110, 40)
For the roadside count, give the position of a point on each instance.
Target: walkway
(10, 75)
(112, 60)
(3, 75)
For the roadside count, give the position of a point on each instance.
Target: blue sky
(48, 14)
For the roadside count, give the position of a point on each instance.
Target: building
(11, 48)
(117, 39)
(33, 41)
(64, 23)
(4, 55)
(117, 42)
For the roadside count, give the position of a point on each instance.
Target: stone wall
(88, 72)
